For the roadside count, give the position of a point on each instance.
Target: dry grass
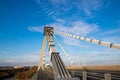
(107, 67)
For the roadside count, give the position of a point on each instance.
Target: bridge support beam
(84, 75)
(60, 70)
(107, 76)
(41, 63)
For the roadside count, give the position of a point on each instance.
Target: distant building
(18, 66)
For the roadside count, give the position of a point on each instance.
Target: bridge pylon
(59, 70)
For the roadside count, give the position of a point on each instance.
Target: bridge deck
(43, 75)
(84, 73)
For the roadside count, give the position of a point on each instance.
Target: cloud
(111, 32)
(61, 7)
(106, 57)
(22, 60)
(74, 42)
(76, 27)
(111, 36)
(35, 28)
(89, 6)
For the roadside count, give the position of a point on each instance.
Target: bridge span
(83, 73)
(58, 70)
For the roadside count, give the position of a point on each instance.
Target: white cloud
(111, 32)
(106, 57)
(35, 28)
(89, 6)
(76, 27)
(61, 7)
(60, 20)
(22, 60)
(73, 42)
(111, 36)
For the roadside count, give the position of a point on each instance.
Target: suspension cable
(66, 54)
(111, 45)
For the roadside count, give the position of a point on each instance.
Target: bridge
(58, 70)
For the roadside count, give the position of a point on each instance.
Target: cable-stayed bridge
(59, 71)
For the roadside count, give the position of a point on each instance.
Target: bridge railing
(98, 75)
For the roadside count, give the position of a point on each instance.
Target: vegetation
(5, 74)
(22, 73)
(26, 75)
(10, 72)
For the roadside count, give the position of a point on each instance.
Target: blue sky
(22, 22)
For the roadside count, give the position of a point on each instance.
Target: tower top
(48, 30)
